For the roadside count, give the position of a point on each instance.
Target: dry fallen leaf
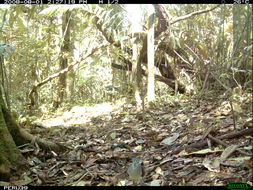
(227, 152)
(212, 165)
(170, 140)
(155, 183)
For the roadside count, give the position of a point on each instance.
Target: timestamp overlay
(23, 2)
(61, 1)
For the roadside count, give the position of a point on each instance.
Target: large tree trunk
(11, 136)
(10, 156)
(4, 81)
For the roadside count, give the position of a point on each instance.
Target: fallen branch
(226, 145)
(204, 142)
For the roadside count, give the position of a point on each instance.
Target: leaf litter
(170, 141)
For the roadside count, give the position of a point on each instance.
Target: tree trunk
(4, 81)
(11, 136)
(35, 78)
(10, 156)
(65, 48)
(136, 73)
(151, 55)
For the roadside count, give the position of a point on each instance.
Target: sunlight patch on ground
(80, 115)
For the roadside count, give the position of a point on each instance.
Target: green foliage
(35, 33)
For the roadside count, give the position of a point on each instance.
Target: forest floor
(103, 139)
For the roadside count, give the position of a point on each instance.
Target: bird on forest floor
(135, 171)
